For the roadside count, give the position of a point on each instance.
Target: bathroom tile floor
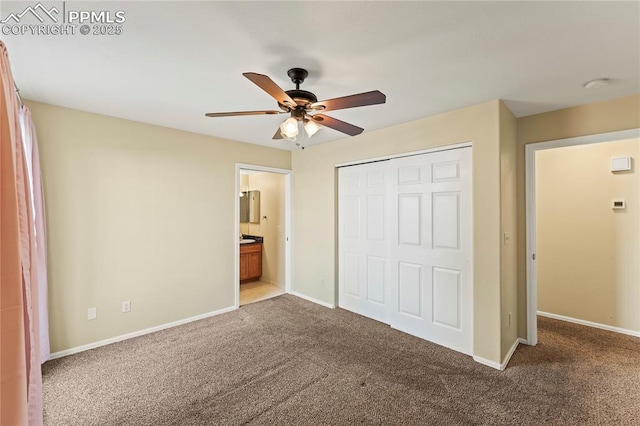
(258, 290)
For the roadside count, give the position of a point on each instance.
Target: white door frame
(530, 182)
(288, 216)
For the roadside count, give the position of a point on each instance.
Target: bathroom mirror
(250, 207)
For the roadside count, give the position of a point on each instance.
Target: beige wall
(272, 205)
(508, 219)
(601, 117)
(136, 212)
(314, 197)
(587, 253)
(144, 213)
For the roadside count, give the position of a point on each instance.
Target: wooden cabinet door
(255, 264)
(244, 267)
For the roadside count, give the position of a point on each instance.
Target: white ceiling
(175, 61)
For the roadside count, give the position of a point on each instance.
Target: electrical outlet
(509, 319)
(321, 281)
(92, 313)
(126, 306)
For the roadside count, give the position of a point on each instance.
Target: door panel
(405, 245)
(352, 274)
(446, 220)
(376, 273)
(446, 297)
(409, 218)
(363, 270)
(375, 217)
(433, 237)
(410, 289)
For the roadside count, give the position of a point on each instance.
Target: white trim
(589, 139)
(314, 300)
(506, 359)
(288, 219)
(258, 168)
(406, 154)
(590, 324)
(288, 231)
(530, 236)
(509, 354)
(530, 194)
(487, 362)
(127, 336)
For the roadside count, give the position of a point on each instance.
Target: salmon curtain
(20, 344)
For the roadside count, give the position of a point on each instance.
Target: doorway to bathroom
(263, 233)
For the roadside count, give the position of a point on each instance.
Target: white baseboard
(505, 361)
(487, 362)
(509, 354)
(314, 300)
(590, 324)
(122, 337)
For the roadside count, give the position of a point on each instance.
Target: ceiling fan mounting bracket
(297, 76)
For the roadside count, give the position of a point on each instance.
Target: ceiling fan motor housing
(301, 97)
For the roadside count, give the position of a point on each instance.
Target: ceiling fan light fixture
(289, 128)
(310, 128)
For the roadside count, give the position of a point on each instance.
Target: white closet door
(430, 256)
(363, 265)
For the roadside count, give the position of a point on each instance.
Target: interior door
(363, 264)
(430, 256)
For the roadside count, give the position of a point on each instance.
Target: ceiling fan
(304, 107)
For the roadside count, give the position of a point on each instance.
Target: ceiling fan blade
(335, 124)
(278, 134)
(266, 84)
(361, 99)
(231, 114)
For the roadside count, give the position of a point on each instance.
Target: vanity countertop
(251, 239)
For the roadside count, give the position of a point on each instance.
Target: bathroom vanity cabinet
(250, 262)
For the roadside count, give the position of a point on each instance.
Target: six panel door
(430, 256)
(364, 240)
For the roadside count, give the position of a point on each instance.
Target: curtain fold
(39, 261)
(20, 373)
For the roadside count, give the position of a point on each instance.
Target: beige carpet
(287, 361)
